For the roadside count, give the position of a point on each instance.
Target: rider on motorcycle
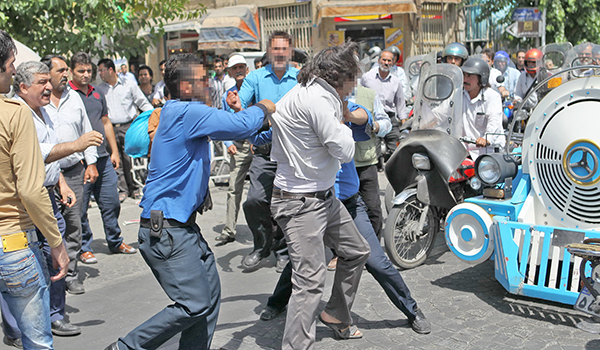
(455, 53)
(533, 62)
(482, 109)
(510, 74)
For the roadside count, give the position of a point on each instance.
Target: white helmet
(374, 52)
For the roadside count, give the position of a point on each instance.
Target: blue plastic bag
(137, 139)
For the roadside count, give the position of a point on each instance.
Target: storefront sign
(395, 37)
(335, 37)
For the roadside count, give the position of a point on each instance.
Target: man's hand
(60, 261)
(92, 138)
(156, 102)
(91, 174)
(505, 93)
(481, 142)
(269, 104)
(375, 127)
(66, 192)
(232, 150)
(115, 159)
(233, 100)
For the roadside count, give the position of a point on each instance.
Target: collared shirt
(24, 200)
(389, 90)
(379, 115)
(309, 140)
(180, 164)
(123, 100)
(70, 123)
(219, 86)
(511, 76)
(399, 72)
(523, 83)
(159, 91)
(482, 116)
(129, 76)
(95, 106)
(263, 84)
(494, 74)
(44, 128)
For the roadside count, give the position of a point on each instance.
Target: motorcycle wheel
(389, 196)
(404, 246)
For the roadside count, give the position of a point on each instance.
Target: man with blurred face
(271, 82)
(158, 99)
(105, 188)
(241, 156)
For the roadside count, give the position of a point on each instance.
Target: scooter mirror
(500, 79)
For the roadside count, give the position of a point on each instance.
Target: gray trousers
(239, 165)
(310, 224)
(74, 178)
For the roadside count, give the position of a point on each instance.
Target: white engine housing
(561, 154)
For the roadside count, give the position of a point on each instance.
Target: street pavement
(467, 307)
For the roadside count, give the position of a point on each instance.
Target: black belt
(281, 194)
(79, 163)
(169, 223)
(350, 199)
(123, 124)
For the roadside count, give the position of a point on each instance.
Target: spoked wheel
(405, 246)
(389, 196)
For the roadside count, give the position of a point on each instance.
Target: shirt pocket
(480, 121)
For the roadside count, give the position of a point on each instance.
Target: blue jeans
(377, 265)
(185, 268)
(107, 196)
(24, 286)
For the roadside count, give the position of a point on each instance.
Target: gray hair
(26, 72)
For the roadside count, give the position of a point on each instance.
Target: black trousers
(369, 191)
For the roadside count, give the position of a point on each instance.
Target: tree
(575, 21)
(99, 27)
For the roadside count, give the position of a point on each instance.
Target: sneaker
(421, 324)
(75, 287)
(88, 258)
(332, 264)
(125, 248)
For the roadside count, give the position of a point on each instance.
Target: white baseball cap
(236, 59)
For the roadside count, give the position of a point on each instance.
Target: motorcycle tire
(403, 251)
(389, 196)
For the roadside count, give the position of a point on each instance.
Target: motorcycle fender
(403, 196)
(423, 190)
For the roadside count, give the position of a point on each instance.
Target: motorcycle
(428, 170)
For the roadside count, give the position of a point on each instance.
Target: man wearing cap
(241, 155)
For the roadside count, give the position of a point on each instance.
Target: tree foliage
(99, 27)
(575, 21)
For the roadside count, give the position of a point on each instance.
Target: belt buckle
(14, 242)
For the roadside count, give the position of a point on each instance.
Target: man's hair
(521, 50)
(225, 57)
(80, 58)
(143, 66)
(7, 47)
(47, 60)
(26, 72)
(257, 59)
(108, 63)
(162, 62)
(280, 34)
(488, 52)
(177, 69)
(218, 60)
(335, 65)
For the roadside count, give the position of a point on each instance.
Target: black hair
(521, 50)
(47, 60)
(7, 48)
(488, 52)
(162, 62)
(218, 60)
(143, 66)
(80, 58)
(108, 63)
(335, 65)
(177, 68)
(280, 34)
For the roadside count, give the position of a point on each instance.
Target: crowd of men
(308, 138)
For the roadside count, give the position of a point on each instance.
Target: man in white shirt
(123, 99)
(482, 109)
(309, 143)
(158, 98)
(68, 113)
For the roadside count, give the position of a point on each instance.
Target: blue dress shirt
(179, 169)
(263, 84)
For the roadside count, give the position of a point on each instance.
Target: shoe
(75, 287)
(112, 346)
(332, 264)
(281, 263)
(253, 259)
(14, 342)
(421, 324)
(125, 248)
(351, 332)
(269, 313)
(88, 258)
(225, 238)
(64, 328)
(122, 197)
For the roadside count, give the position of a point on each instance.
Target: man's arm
(61, 150)
(109, 132)
(247, 92)
(337, 137)
(382, 123)
(66, 192)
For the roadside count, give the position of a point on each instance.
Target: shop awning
(341, 8)
(232, 27)
(174, 27)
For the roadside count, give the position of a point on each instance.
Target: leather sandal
(342, 331)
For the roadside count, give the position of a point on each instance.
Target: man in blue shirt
(177, 186)
(271, 82)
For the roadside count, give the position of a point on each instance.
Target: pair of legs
(310, 224)
(72, 216)
(377, 265)
(185, 268)
(369, 191)
(107, 196)
(240, 165)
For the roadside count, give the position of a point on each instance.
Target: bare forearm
(109, 132)
(60, 151)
